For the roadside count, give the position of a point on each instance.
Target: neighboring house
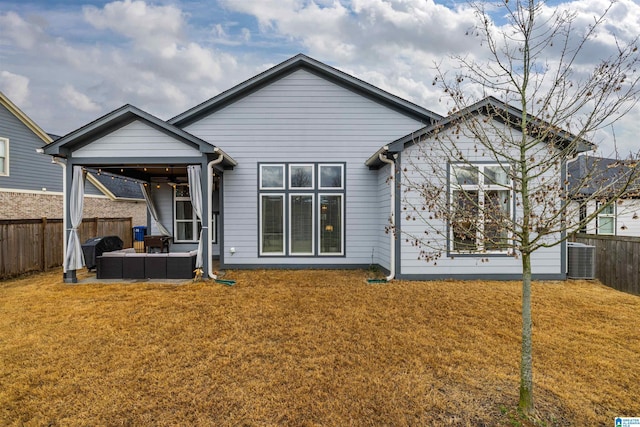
(590, 176)
(292, 174)
(31, 185)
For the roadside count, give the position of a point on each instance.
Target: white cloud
(128, 52)
(221, 34)
(149, 27)
(159, 49)
(363, 30)
(219, 31)
(246, 34)
(18, 31)
(320, 28)
(15, 87)
(78, 100)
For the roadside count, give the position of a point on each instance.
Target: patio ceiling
(146, 173)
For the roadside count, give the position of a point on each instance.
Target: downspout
(210, 212)
(392, 236)
(64, 207)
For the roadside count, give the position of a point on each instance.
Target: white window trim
(313, 218)
(261, 252)
(481, 188)
(320, 166)
(194, 218)
(342, 231)
(313, 183)
(284, 177)
(5, 141)
(604, 215)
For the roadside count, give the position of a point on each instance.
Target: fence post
(131, 230)
(43, 240)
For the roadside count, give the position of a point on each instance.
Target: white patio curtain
(74, 258)
(152, 210)
(194, 172)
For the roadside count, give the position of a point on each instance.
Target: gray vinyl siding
(28, 170)
(302, 118)
(546, 262)
(137, 139)
(162, 199)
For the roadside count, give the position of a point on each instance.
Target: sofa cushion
(155, 266)
(109, 267)
(114, 254)
(133, 267)
(181, 267)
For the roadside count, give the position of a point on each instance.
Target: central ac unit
(582, 261)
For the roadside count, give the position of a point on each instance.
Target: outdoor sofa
(127, 264)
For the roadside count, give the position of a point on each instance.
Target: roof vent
(582, 261)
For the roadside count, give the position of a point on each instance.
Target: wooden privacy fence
(28, 245)
(617, 260)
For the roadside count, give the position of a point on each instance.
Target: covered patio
(181, 176)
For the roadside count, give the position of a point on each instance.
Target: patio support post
(74, 177)
(69, 276)
(206, 221)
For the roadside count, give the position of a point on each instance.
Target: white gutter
(373, 159)
(210, 211)
(230, 161)
(392, 236)
(64, 207)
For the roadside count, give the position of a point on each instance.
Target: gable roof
(295, 63)
(590, 175)
(118, 118)
(33, 127)
(491, 107)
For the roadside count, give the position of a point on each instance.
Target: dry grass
(311, 348)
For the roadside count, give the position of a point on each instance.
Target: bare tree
(491, 178)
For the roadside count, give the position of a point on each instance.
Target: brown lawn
(307, 348)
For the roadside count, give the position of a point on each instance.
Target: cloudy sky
(67, 62)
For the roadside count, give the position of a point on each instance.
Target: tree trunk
(526, 359)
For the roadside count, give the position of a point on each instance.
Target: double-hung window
(481, 199)
(4, 156)
(301, 209)
(186, 223)
(607, 220)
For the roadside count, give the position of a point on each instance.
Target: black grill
(96, 246)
